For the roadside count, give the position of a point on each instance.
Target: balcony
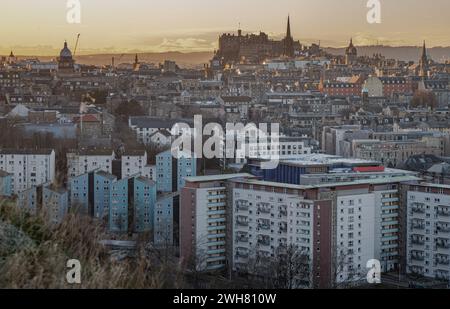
(265, 242)
(242, 205)
(242, 254)
(417, 257)
(418, 242)
(442, 275)
(416, 226)
(442, 245)
(418, 210)
(264, 208)
(283, 228)
(242, 239)
(442, 228)
(443, 213)
(442, 261)
(283, 211)
(264, 226)
(242, 223)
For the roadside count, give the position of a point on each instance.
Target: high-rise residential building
(347, 224)
(79, 192)
(29, 168)
(118, 207)
(338, 227)
(163, 223)
(164, 171)
(171, 172)
(28, 200)
(144, 204)
(134, 163)
(102, 193)
(89, 160)
(55, 203)
(5, 184)
(428, 231)
(203, 219)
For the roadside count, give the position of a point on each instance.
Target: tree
(289, 268)
(131, 108)
(99, 96)
(424, 99)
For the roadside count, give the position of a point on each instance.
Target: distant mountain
(197, 59)
(405, 53)
(192, 59)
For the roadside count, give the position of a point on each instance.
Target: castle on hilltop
(255, 48)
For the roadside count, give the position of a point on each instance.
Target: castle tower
(351, 53)
(289, 41)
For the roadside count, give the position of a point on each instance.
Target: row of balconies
(442, 261)
(416, 256)
(443, 213)
(442, 275)
(242, 238)
(418, 241)
(418, 208)
(418, 226)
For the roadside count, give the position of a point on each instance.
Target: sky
(40, 27)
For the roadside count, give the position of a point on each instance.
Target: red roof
(369, 169)
(86, 118)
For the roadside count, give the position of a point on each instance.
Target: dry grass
(44, 265)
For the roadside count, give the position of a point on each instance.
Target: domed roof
(65, 52)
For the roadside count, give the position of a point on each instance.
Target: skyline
(175, 25)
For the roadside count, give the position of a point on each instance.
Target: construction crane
(113, 63)
(76, 45)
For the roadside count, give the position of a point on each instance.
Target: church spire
(288, 32)
(136, 63)
(289, 50)
(424, 50)
(423, 63)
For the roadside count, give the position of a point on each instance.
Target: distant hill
(193, 59)
(405, 53)
(197, 59)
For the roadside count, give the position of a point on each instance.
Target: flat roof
(146, 180)
(218, 177)
(333, 184)
(324, 159)
(26, 151)
(433, 185)
(106, 175)
(4, 174)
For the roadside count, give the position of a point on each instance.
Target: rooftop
(93, 152)
(218, 177)
(26, 151)
(106, 175)
(334, 184)
(324, 159)
(146, 180)
(156, 123)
